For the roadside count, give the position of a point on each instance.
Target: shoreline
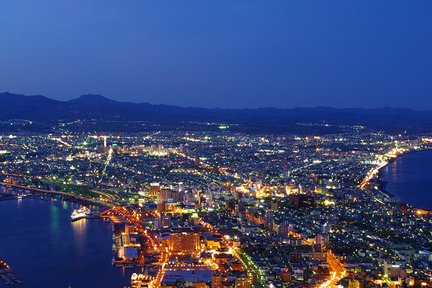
(67, 233)
(383, 185)
(34, 192)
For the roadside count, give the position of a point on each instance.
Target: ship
(83, 213)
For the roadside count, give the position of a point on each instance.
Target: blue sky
(221, 53)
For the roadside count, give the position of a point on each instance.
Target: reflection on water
(395, 170)
(46, 249)
(79, 230)
(79, 226)
(54, 219)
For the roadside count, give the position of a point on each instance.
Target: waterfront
(46, 249)
(270, 210)
(410, 177)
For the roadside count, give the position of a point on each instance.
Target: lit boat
(81, 213)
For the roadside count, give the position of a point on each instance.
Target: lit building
(154, 189)
(184, 243)
(243, 282)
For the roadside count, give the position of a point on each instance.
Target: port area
(84, 213)
(127, 243)
(8, 276)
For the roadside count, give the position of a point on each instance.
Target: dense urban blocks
(223, 209)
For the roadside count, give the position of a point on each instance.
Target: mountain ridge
(97, 107)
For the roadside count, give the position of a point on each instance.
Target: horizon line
(220, 108)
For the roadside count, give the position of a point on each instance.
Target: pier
(7, 274)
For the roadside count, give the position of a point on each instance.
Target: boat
(83, 213)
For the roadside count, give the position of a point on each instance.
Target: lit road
(337, 271)
(371, 174)
(369, 177)
(107, 162)
(257, 274)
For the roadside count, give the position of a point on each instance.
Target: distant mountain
(124, 116)
(92, 99)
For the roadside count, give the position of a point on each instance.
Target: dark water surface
(410, 178)
(46, 249)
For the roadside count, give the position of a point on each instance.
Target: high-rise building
(162, 199)
(154, 189)
(269, 216)
(322, 239)
(162, 222)
(184, 243)
(166, 221)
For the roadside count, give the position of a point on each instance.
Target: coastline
(36, 192)
(85, 242)
(383, 185)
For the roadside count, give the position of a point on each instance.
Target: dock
(8, 276)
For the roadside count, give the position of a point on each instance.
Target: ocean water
(410, 178)
(46, 249)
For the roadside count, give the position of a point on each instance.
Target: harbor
(8, 275)
(84, 213)
(62, 252)
(127, 243)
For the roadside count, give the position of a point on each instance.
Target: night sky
(286, 53)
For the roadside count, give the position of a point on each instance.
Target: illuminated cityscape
(221, 209)
(216, 144)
